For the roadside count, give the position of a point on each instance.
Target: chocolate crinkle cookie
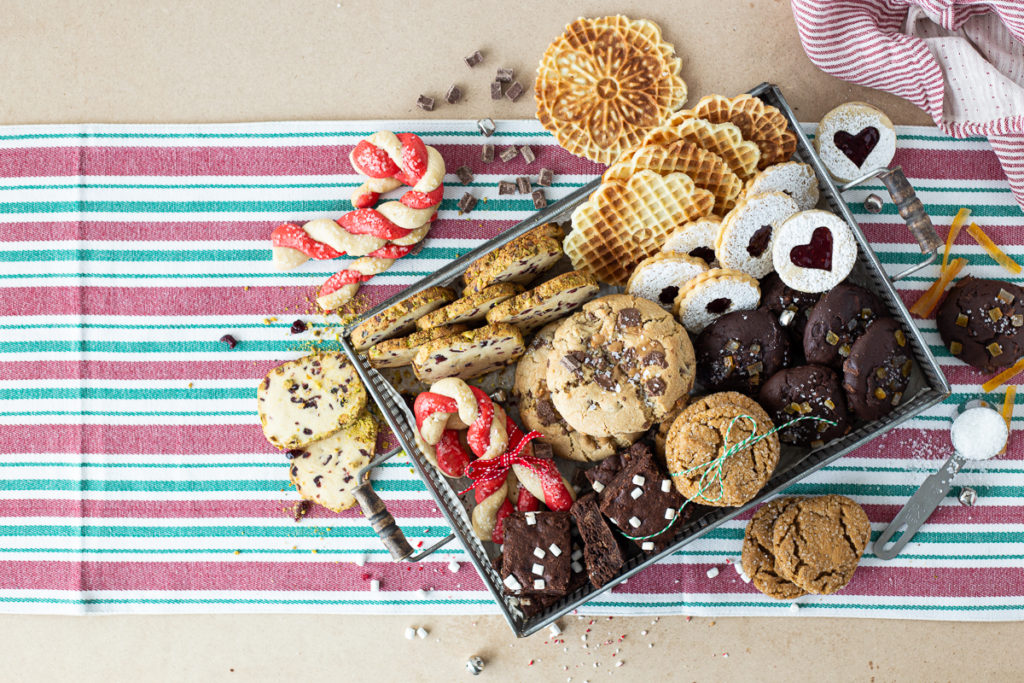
(877, 373)
(981, 322)
(812, 391)
(741, 350)
(836, 322)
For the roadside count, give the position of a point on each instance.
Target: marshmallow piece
(647, 545)
(670, 513)
(713, 572)
(422, 633)
(634, 522)
(597, 486)
(555, 550)
(538, 584)
(636, 493)
(638, 479)
(538, 569)
(531, 518)
(576, 554)
(577, 567)
(538, 553)
(453, 566)
(666, 485)
(512, 583)
(410, 633)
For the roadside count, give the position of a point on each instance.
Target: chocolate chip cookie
(836, 321)
(619, 365)
(981, 322)
(741, 350)
(878, 370)
(758, 556)
(807, 390)
(818, 542)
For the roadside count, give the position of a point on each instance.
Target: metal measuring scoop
(923, 503)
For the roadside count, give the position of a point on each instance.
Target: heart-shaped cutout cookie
(815, 254)
(857, 147)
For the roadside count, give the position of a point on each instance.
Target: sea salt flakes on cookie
(855, 138)
(748, 232)
(814, 251)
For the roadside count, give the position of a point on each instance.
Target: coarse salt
(978, 433)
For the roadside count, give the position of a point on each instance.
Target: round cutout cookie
(855, 138)
(324, 472)
(696, 238)
(712, 294)
(792, 177)
(814, 251)
(748, 232)
(659, 277)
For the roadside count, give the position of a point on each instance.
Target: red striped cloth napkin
(962, 62)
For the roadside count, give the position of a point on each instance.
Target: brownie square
(537, 553)
(536, 603)
(605, 471)
(601, 550)
(641, 501)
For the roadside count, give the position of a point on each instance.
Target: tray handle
(911, 209)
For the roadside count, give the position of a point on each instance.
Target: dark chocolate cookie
(741, 350)
(778, 297)
(812, 390)
(981, 322)
(878, 370)
(836, 322)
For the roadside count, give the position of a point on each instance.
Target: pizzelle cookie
(724, 139)
(698, 437)
(658, 278)
(394, 353)
(471, 308)
(545, 302)
(400, 318)
(748, 232)
(619, 365)
(309, 399)
(818, 542)
(696, 238)
(758, 556)
(324, 472)
(712, 294)
(518, 261)
(468, 354)
(759, 122)
(854, 138)
(792, 177)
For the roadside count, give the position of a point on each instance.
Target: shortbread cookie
(619, 365)
(546, 302)
(714, 293)
(758, 555)
(394, 353)
(518, 261)
(468, 354)
(818, 542)
(400, 318)
(748, 232)
(696, 239)
(793, 178)
(659, 277)
(814, 251)
(698, 438)
(855, 138)
(309, 399)
(740, 351)
(877, 373)
(469, 309)
(324, 472)
(539, 414)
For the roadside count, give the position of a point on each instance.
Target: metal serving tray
(928, 386)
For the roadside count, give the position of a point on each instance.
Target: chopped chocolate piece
(542, 450)
(655, 358)
(487, 153)
(604, 381)
(464, 174)
(467, 203)
(508, 154)
(628, 317)
(425, 103)
(601, 551)
(572, 363)
(655, 386)
(505, 75)
(486, 127)
(453, 95)
(514, 91)
(528, 154)
(474, 59)
(520, 562)
(539, 200)
(230, 341)
(544, 177)
(495, 90)
(298, 327)
(523, 184)
(506, 187)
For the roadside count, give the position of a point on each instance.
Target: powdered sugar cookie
(696, 239)
(855, 138)
(794, 178)
(659, 277)
(814, 251)
(714, 293)
(748, 232)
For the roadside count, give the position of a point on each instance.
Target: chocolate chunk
(230, 341)
(474, 59)
(547, 413)
(514, 91)
(464, 174)
(605, 381)
(655, 358)
(539, 200)
(523, 184)
(506, 187)
(572, 363)
(655, 386)
(541, 449)
(505, 75)
(495, 90)
(453, 95)
(544, 177)
(487, 153)
(628, 317)
(528, 154)
(486, 127)
(508, 154)
(425, 103)
(467, 203)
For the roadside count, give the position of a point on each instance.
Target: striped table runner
(134, 477)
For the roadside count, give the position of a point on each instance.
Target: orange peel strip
(1003, 377)
(994, 251)
(1008, 402)
(954, 230)
(925, 306)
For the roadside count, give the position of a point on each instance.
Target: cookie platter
(927, 386)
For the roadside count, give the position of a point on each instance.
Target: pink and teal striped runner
(133, 474)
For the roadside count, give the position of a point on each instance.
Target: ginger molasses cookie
(698, 438)
(878, 370)
(818, 542)
(836, 321)
(619, 365)
(807, 390)
(740, 351)
(982, 323)
(759, 552)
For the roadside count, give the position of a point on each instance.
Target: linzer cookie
(836, 321)
(518, 261)
(855, 138)
(594, 72)
(659, 277)
(468, 354)
(545, 302)
(324, 472)
(814, 251)
(981, 323)
(309, 399)
(877, 373)
(762, 123)
(714, 293)
(791, 177)
(696, 239)
(748, 232)
(393, 353)
(740, 351)
(400, 318)
(619, 365)
(470, 308)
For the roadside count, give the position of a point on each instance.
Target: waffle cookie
(518, 261)
(545, 302)
(792, 177)
(468, 354)
(696, 238)
(394, 353)
(324, 472)
(762, 123)
(400, 318)
(471, 308)
(624, 222)
(606, 82)
(748, 232)
(658, 278)
(714, 293)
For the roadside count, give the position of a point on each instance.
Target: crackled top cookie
(759, 552)
(619, 365)
(855, 138)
